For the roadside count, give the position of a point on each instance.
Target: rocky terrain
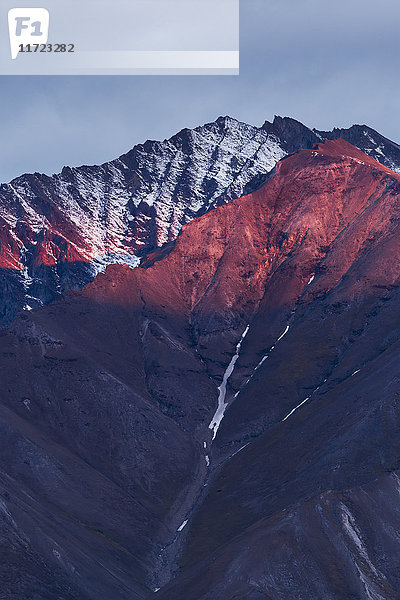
(59, 232)
(220, 422)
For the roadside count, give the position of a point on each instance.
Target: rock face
(369, 141)
(57, 233)
(280, 309)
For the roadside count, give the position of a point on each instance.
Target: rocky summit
(59, 232)
(219, 422)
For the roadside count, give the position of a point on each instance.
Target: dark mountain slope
(335, 545)
(340, 357)
(110, 476)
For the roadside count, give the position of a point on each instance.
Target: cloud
(325, 63)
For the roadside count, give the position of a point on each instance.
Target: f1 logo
(27, 26)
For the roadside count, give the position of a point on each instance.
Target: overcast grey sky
(325, 62)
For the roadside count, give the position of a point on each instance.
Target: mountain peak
(338, 146)
(124, 209)
(292, 133)
(281, 307)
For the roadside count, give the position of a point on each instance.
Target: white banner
(67, 37)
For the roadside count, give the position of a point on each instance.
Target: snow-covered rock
(59, 232)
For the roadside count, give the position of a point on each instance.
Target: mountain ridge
(279, 307)
(58, 232)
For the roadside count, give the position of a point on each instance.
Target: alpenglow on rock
(58, 232)
(281, 308)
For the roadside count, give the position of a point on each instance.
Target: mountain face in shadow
(57, 233)
(221, 422)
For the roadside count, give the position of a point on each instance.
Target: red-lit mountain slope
(59, 232)
(281, 308)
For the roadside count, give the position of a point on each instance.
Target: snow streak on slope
(183, 525)
(219, 414)
(283, 334)
(264, 358)
(295, 408)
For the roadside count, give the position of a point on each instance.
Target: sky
(325, 62)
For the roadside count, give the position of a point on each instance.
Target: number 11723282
(47, 48)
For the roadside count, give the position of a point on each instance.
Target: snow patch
(354, 534)
(220, 412)
(264, 358)
(240, 449)
(284, 333)
(295, 408)
(183, 525)
(101, 263)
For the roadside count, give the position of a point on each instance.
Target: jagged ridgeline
(221, 422)
(59, 232)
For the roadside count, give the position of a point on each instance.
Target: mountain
(59, 232)
(222, 421)
(369, 141)
(294, 136)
